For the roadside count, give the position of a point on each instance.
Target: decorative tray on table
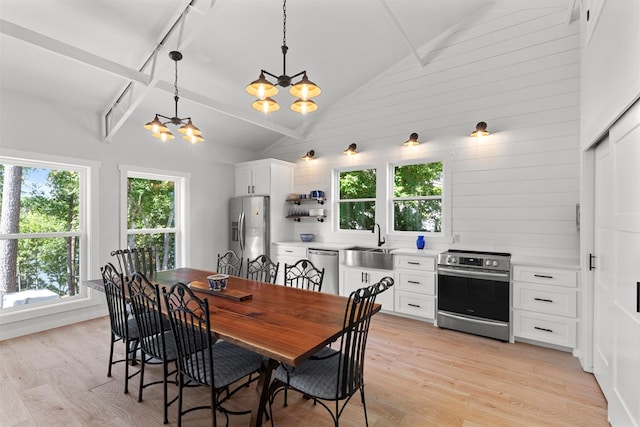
(232, 294)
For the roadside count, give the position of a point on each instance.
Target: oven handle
(472, 319)
(502, 277)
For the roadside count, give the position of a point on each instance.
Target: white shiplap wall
(516, 190)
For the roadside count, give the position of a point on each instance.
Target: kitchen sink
(360, 256)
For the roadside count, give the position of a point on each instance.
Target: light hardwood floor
(417, 375)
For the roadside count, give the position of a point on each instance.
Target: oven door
(472, 301)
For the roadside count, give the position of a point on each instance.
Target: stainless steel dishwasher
(327, 259)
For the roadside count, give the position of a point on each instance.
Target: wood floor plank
(416, 375)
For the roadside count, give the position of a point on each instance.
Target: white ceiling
(84, 53)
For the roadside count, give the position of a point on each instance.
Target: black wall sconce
(309, 155)
(412, 141)
(481, 130)
(351, 150)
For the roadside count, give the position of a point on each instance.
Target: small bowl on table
(217, 282)
(306, 237)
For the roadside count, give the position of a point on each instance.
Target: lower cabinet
(415, 292)
(545, 301)
(285, 254)
(356, 278)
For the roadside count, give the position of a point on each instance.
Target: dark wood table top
(283, 323)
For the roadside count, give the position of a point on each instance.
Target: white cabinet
(352, 278)
(415, 289)
(545, 301)
(287, 254)
(261, 176)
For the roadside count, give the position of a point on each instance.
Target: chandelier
(159, 128)
(263, 89)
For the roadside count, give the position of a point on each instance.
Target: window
(154, 206)
(41, 232)
(417, 197)
(357, 199)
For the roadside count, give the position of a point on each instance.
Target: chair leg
(113, 338)
(364, 406)
(142, 364)
(180, 392)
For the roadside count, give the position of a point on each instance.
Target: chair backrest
(190, 323)
(146, 302)
(262, 269)
(114, 289)
(304, 275)
(142, 259)
(353, 341)
(229, 263)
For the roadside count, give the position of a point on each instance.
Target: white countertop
(545, 261)
(339, 246)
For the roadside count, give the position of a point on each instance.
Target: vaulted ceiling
(110, 57)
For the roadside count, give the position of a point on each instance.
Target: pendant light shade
(481, 130)
(266, 105)
(156, 126)
(305, 88)
(189, 130)
(262, 88)
(304, 106)
(164, 135)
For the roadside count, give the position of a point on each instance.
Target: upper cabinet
(259, 177)
(610, 64)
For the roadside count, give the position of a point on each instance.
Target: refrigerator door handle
(241, 230)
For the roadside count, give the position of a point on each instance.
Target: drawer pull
(543, 299)
(288, 251)
(543, 276)
(542, 329)
(413, 282)
(413, 263)
(414, 305)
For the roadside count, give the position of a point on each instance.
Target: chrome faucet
(373, 230)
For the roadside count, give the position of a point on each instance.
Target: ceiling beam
(401, 31)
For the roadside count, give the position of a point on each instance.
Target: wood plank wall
(516, 190)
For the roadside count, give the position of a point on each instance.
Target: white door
(617, 275)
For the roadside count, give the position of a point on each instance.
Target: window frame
(29, 318)
(181, 200)
(337, 200)
(444, 204)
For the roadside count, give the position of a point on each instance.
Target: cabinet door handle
(362, 277)
(638, 297)
(592, 266)
(414, 305)
(543, 276)
(413, 263)
(253, 189)
(543, 299)
(543, 329)
(413, 282)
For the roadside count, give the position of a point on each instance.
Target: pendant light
(303, 90)
(160, 130)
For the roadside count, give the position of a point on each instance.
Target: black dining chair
(203, 360)
(335, 375)
(157, 344)
(142, 259)
(262, 269)
(124, 326)
(229, 263)
(303, 275)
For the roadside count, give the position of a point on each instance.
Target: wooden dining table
(283, 324)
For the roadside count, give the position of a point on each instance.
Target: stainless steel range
(474, 292)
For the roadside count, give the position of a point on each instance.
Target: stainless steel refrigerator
(249, 229)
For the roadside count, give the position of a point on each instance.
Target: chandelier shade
(263, 89)
(186, 127)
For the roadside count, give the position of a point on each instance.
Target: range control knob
(452, 260)
(487, 262)
(495, 263)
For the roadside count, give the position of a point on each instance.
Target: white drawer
(546, 328)
(545, 299)
(423, 283)
(414, 304)
(545, 275)
(292, 251)
(415, 262)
